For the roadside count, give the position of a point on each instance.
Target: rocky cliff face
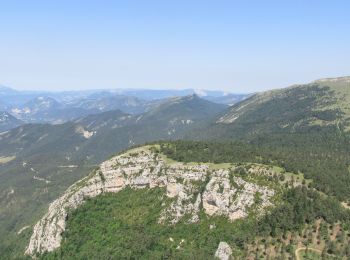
(192, 187)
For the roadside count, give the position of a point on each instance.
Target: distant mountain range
(60, 107)
(168, 119)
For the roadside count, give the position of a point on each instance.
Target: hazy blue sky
(241, 46)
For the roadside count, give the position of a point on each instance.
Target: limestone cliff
(193, 187)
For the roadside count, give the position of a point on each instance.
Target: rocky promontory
(193, 187)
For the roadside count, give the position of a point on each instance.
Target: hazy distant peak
(8, 121)
(180, 99)
(200, 92)
(6, 90)
(4, 116)
(43, 101)
(4, 87)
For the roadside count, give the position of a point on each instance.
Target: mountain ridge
(8, 121)
(317, 105)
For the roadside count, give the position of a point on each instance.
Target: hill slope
(294, 109)
(305, 127)
(8, 121)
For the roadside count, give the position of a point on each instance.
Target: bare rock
(224, 251)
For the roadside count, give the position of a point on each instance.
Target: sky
(237, 46)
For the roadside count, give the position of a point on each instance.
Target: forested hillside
(300, 108)
(300, 215)
(321, 155)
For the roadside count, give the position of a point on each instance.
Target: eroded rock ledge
(193, 187)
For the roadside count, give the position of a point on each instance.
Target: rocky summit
(193, 187)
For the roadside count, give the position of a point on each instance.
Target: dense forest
(322, 155)
(125, 226)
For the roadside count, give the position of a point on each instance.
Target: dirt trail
(304, 248)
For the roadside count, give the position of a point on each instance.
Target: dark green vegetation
(296, 110)
(317, 240)
(323, 156)
(124, 226)
(293, 110)
(24, 200)
(301, 206)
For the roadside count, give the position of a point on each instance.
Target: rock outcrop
(224, 251)
(223, 198)
(191, 187)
